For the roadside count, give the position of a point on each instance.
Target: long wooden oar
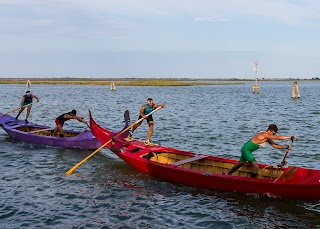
(283, 162)
(36, 131)
(88, 126)
(97, 150)
(15, 109)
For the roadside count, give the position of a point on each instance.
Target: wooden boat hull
(39, 134)
(206, 171)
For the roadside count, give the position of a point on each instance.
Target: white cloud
(209, 19)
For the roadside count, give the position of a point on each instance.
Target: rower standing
(146, 109)
(26, 101)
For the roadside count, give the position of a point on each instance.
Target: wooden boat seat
(189, 160)
(11, 123)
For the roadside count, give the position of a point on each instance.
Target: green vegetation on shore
(119, 82)
(142, 81)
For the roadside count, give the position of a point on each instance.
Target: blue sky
(159, 38)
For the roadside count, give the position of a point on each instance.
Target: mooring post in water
(113, 86)
(295, 90)
(256, 87)
(28, 83)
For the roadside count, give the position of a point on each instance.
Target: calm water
(107, 193)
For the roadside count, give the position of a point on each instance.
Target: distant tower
(295, 90)
(256, 87)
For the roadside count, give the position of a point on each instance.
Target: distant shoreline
(142, 81)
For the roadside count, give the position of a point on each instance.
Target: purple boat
(39, 134)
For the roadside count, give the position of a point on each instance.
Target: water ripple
(107, 193)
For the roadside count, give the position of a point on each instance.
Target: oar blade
(127, 117)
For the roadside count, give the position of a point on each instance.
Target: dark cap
(28, 92)
(74, 112)
(149, 99)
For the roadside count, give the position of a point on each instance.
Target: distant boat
(28, 83)
(113, 86)
(295, 90)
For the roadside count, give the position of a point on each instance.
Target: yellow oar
(15, 109)
(97, 150)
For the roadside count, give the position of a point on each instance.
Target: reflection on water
(104, 191)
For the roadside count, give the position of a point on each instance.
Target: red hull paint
(302, 184)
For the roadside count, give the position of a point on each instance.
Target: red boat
(205, 171)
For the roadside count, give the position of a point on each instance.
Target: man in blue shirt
(146, 109)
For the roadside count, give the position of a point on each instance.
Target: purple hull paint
(84, 140)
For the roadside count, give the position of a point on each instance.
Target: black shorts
(149, 118)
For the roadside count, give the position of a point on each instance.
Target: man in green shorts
(255, 143)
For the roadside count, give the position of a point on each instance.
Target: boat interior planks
(46, 132)
(204, 164)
